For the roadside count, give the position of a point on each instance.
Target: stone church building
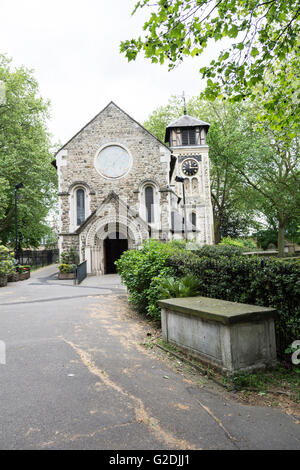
(117, 187)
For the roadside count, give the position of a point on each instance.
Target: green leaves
(186, 286)
(25, 157)
(265, 35)
(253, 280)
(6, 261)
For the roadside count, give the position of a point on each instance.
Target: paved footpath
(77, 377)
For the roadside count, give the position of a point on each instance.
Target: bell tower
(187, 139)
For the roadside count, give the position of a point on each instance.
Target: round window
(113, 161)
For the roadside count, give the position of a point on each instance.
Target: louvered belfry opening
(188, 136)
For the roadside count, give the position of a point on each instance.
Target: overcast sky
(73, 48)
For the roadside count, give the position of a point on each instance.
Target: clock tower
(187, 139)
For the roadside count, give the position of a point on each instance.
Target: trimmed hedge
(254, 280)
(139, 270)
(223, 273)
(215, 251)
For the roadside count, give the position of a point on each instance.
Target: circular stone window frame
(111, 144)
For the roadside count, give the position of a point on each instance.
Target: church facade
(119, 185)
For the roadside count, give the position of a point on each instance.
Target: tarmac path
(78, 377)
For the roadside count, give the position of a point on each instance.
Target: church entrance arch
(107, 238)
(113, 249)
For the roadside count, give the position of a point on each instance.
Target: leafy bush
(6, 261)
(165, 287)
(162, 270)
(139, 268)
(69, 257)
(214, 251)
(266, 237)
(232, 242)
(65, 268)
(186, 286)
(258, 281)
(246, 244)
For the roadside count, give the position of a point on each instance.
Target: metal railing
(80, 272)
(38, 258)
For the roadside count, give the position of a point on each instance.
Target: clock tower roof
(185, 121)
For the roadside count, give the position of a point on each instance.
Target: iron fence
(38, 258)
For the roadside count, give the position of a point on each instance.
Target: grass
(278, 380)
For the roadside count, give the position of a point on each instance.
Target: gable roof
(111, 103)
(112, 195)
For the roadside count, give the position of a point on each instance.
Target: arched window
(80, 206)
(193, 220)
(149, 202)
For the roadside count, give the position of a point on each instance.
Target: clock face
(189, 167)
(113, 161)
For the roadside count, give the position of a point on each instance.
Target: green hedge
(215, 251)
(6, 261)
(222, 272)
(141, 270)
(258, 281)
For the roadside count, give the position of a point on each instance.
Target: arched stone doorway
(125, 233)
(113, 249)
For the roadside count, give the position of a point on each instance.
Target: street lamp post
(179, 179)
(18, 186)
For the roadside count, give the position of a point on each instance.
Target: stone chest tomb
(231, 336)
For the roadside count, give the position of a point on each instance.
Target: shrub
(186, 286)
(232, 242)
(266, 237)
(6, 261)
(66, 268)
(69, 257)
(214, 251)
(138, 268)
(161, 270)
(165, 287)
(258, 281)
(246, 244)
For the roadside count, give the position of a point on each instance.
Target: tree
(255, 170)
(264, 35)
(229, 138)
(273, 171)
(24, 156)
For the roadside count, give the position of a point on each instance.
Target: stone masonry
(113, 202)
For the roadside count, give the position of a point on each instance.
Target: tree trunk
(217, 225)
(281, 230)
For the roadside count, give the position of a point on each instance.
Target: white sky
(73, 48)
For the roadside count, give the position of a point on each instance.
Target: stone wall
(76, 162)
